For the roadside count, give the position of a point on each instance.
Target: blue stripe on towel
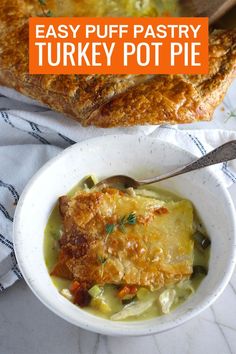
(198, 144)
(6, 242)
(5, 212)
(15, 269)
(13, 258)
(12, 189)
(39, 138)
(6, 119)
(228, 173)
(66, 139)
(34, 127)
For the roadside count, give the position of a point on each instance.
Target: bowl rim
(208, 300)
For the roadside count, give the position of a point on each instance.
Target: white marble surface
(27, 327)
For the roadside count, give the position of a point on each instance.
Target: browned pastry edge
(177, 98)
(115, 100)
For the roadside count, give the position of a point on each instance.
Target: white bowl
(137, 157)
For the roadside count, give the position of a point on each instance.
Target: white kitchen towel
(31, 134)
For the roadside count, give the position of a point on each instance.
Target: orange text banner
(118, 45)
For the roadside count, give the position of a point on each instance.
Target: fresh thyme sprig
(231, 114)
(103, 261)
(130, 219)
(43, 4)
(109, 228)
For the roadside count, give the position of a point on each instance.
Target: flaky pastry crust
(154, 251)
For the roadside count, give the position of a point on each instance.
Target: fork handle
(223, 153)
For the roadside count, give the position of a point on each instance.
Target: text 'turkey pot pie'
(113, 100)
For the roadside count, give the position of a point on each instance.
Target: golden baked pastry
(112, 100)
(112, 237)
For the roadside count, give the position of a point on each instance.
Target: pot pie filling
(116, 8)
(125, 254)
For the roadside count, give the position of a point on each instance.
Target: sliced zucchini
(143, 293)
(95, 291)
(90, 181)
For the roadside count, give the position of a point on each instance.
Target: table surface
(28, 327)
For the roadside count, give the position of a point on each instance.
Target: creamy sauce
(51, 248)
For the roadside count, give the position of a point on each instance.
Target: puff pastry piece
(154, 251)
(113, 100)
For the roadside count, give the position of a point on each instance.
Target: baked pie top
(111, 237)
(113, 100)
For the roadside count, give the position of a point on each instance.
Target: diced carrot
(161, 211)
(133, 289)
(122, 292)
(126, 290)
(75, 285)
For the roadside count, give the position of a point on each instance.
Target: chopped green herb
(122, 228)
(130, 219)
(122, 220)
(109, 228)
(47, 13)
(102, 259)
(231, 114)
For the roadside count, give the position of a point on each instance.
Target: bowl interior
(138, 157)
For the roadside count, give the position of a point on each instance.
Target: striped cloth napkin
(31, 134)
